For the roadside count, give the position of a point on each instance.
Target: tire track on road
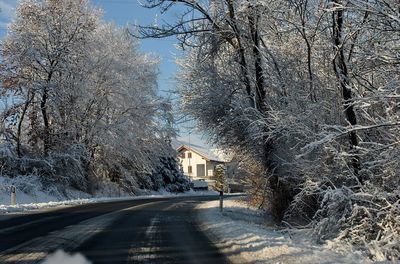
(68, 238)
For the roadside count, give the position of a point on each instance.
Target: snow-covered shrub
(68, 170)
(29, 189)
(29, 184)
(167, 175)
(358, 209)
(364, 219)
(56, 171)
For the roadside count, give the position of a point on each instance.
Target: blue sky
(125, 12)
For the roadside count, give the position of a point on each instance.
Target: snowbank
(246, 235)
(47, 201)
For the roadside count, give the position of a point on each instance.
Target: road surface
(138, 231)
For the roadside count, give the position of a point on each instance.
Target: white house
(198, 163)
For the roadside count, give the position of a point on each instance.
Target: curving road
(137, 231)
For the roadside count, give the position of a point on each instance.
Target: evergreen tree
(220, 178)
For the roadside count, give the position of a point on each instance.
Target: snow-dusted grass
(246, 235)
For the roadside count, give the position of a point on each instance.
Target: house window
(189, 169)
(189, 155)
(183, 155)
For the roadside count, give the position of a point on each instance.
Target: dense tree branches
(306, 93)
(85, 96)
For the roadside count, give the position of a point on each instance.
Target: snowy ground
(246, 235)
(21, 207)
(30, 196)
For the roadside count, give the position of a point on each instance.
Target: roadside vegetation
(306, 94)
(80, 105)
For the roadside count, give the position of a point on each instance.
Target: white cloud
(60, 257)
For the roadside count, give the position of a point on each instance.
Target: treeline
(306, 93)
(80, 103)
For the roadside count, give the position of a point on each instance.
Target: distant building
(198, 163)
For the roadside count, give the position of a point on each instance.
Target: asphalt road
(138, 231)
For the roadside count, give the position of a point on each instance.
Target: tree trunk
(341, 71)
(242, 55)
(260, 83)
(19, 129)
(43, 108)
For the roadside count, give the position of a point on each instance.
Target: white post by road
(13, 195)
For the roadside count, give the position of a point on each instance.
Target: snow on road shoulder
(246, 235)
(23, 207)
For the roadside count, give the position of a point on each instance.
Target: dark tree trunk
(19, 129)
(341, 71)
(43, 108)
(260, 83)
(242, 55)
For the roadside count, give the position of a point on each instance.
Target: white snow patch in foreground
(60, 257)
(246, 235)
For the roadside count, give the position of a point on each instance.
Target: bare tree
(308, 91)
(43, 47)
(86, 109)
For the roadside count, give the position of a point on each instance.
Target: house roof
(205, 153)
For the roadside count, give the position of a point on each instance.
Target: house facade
(198, 163)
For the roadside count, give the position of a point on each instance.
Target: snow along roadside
(244, 235)
(36, 206)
